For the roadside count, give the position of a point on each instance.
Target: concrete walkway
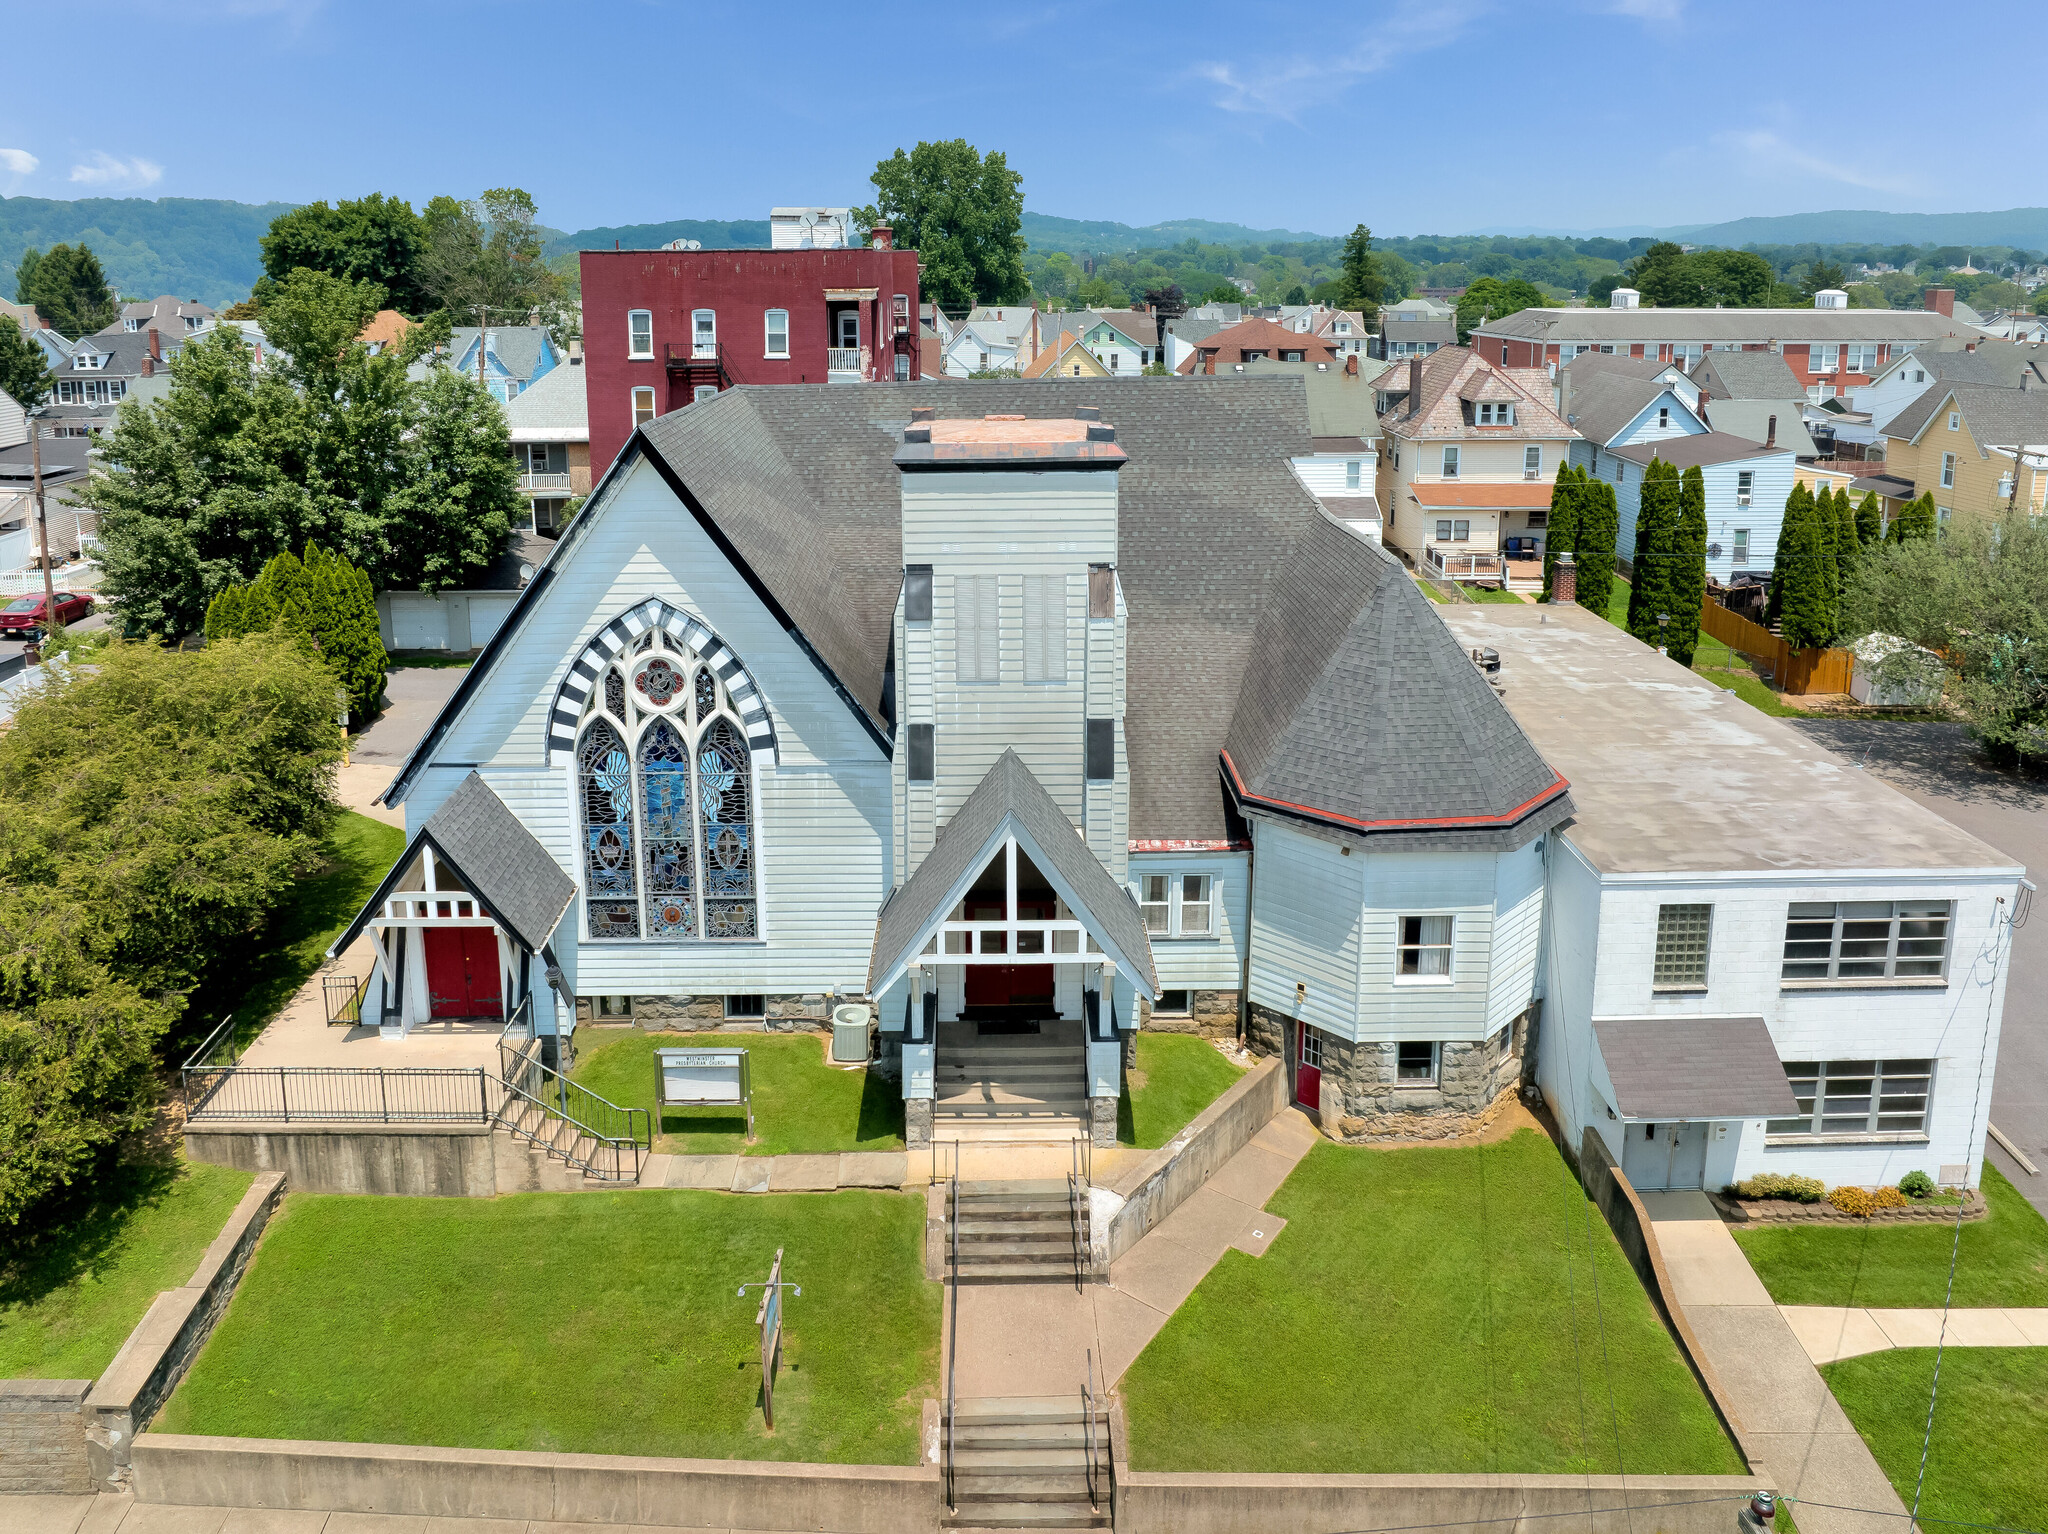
(1829, 1332)
(1036, 1339)
(1788, 1417)
(782, 1174)
(111, 1513)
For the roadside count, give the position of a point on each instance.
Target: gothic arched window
(707, 694)
(605, 778)
(728, 841)
(665, 800)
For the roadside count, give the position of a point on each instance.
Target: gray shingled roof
(496, 857)
(1750, 326)
(1694, 1068)
(1359, 708)
(1603, 405)
(1993, 414)
(1009, 792)
(1751, 418)
(516, 346)
(1340, 403)
(1747, 375)
(1703, 448)
(1991, 362)
(556, 409)
(801, 481)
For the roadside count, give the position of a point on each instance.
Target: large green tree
(1599, 525)
(1657, 513)
(961, 212)
(1687, 583)
(1561, 527)
(1492, 298)
(1670, 277)
(454, 505)
(375, 239)
(488, 255)
(322, 602)
(69, 289)
(1361, 287)
(1803, 588)
(24, 370)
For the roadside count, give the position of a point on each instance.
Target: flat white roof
(1673, 774)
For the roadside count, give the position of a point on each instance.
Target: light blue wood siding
(1201, 963)
(1517, 935)
(1395, 1007)
(1306, 903)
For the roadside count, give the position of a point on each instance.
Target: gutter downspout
(1244, 980)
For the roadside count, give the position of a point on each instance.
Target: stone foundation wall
(1212, 1014)
(1362, 1100)
(42, 1437)
(917, 1122)
(1102, 1122)
(810, 1010)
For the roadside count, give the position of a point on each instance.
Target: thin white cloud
(1772, 151)
(1281, 87)
(104, 170)
(19, 162)
(1647, 10)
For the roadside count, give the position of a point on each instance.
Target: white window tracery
(665, 795)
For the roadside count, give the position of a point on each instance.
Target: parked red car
(25, 613)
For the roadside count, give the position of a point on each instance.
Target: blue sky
(1415, 116)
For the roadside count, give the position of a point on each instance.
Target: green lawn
(69, 1300)
(1433, 594)
(1749, 687)
(428, 662)
(601, 1323)
(1987, 1462)
(1491, 594)
(1177, 1076)
(356, 854)
(801, 1104)
(1427, 1310)
(2003, 1259)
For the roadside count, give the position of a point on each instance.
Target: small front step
(1022, 1462)
(1018, 1230)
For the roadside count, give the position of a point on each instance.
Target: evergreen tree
(1599, 521)
(1361, 286)
(24, 371)
(1687, 583)
(1915, 520)
(1848, 539)
(1561, 528)
(224, 615)
(322, 603)
(69, 289)
(25, 275)
(1804, 591)
(1869, 521)
(1649, 591)
(1798, 508)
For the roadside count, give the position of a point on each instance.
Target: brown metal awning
(1670, 1068)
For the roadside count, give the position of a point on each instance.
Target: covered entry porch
(1011, 962)
(1678, 1090)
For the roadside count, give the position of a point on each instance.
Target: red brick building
(661, 328)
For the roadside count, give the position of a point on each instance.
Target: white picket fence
(83, 576)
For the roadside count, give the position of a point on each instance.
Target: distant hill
(738, 234)
(2022, 228)
(189, 247)
(1077, 236)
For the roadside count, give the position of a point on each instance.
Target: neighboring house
(1962, 442)
(550, 430)
(1250, 341)
(103, 370)
(1828, 349)
(1412, 333)
(1804, 974)
(1590, 365)
(1341, 468)
(1419, 308)
(721, 776)
(1065, 357)
(1746, 482)
(387, 332)
(2017, 325)
(56, 349)
(514, 357)
(994, 339)
(932, 317)
(1342, 328)
(812, 229)
(1468, 454)
(173, 316)
(65, 468)
(1122, 340)
(1184, 330)
(1954, 360)
(663, 329)
(462, 621)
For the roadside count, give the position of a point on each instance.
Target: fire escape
(693, 366)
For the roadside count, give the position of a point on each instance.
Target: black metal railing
(296, 1094)
(342, 995)
(567, 1119)
(953, 1332)
(1088, 1417)
(517, 1039)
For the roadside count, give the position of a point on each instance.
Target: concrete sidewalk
(112, 1513)
(1787, 1416)
(781, 1174)
(1829, 1332)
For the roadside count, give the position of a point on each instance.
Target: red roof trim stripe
(1558, 785)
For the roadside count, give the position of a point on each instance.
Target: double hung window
(643, 406)
(1415, 1064)
(1948, 471)
(639, 333)
(1741, 552)
(1353, 473)
(1176, 905)
(775, 341)
(1532, 462)
(703, 333)
(1425, 952)
(1823, 357)
(1495, 412)
(1449, 530)
(1450, 463)
(1867, 940)
(1857, 1097)
(1745, 486)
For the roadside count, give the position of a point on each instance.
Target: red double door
(463, 979)
(1008, 985)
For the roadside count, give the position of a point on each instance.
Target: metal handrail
(351, 991)
(1074, 1227)
(519, 1027)
(1088, 1416)
(595, 1118)
(591, 1162)
(198, 1059)
(953, 1341)
(341, 1094)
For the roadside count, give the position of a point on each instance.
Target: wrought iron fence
(294, 1094)
(569, 1120)
(342, 995)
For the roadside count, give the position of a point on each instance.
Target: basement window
(1171, 1003)
(741, 1007)
(1415, 1065)
(611, 1006)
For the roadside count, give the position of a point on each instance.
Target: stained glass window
(615, 694)
(723, 802)
(707, 694)
(665, 802)
(606, 780)
(658, 682)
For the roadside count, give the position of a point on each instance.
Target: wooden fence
(1797, 671)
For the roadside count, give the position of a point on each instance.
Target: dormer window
(88, 360)
(131, 323)
(1494, 412)
(192, 322)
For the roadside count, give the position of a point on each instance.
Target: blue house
(515, 357)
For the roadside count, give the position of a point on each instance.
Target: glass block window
(1867, 939)
(1682, 932)
(1857, 1097)
(1426, 946)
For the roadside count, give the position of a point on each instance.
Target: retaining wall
(170, 1334)
(42, 1436)
(417, 1160)
(566, 1488)
(1158, 1185)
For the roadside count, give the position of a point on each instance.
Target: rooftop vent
(1625, 298)
(1083, 413)
(1831, 298)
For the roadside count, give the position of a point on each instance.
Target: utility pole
(35, 437)
(483, 340)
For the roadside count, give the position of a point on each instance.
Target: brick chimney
(1564, 580)
(1940, 301)
(1414, 384)
(881, 237)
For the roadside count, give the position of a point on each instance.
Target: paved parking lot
(1939, 765)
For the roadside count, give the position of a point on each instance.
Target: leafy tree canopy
(24, 370)
(487, 255)
(1491, 298)
(69, 290)
(960, 211)
(1360, 285)
(375, 239)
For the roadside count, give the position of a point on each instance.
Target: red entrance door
(1308, 1070)
(462, 973)
(1009, 985)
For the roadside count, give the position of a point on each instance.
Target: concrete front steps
(1021, 1462)
(1019, 1230)
(556, 1149)
(1010, 1079)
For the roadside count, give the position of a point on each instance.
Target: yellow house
(1978, 448)
(1066, 358)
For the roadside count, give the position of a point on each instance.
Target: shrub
(1916, 1185)
(1856, 1201)
(1890, 1198)
(1802, 1190)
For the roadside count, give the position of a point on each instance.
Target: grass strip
(1176, 1077)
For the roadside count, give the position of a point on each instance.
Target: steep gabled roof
(1229, 346)
(1993, 414)
(1360, 711)
(1604, 405)
(1702, 448)
(1437, 408)
(1751, 418)
(556, 409)
(1747, 375)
